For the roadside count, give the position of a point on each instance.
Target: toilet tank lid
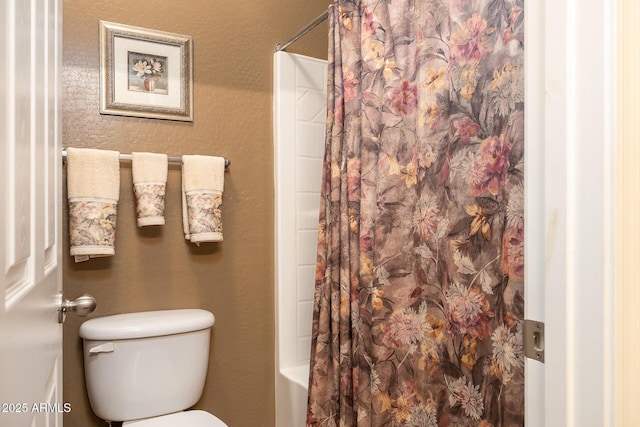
(146, 324)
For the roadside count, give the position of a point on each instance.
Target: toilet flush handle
(107, 347)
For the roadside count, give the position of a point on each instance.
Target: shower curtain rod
(302, 32)
(227, 162)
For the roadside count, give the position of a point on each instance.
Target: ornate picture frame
(145, 73)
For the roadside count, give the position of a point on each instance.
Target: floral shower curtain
(419, 285)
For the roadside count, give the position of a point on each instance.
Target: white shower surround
(300, 104)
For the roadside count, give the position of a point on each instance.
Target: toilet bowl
(145, 369)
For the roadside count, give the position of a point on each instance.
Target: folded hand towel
(149, 186)
(93, 191)
(202, 186)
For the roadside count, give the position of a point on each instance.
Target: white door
(30, 217)
(575, 259)
(535, 178)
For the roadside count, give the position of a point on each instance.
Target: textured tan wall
(154, 268)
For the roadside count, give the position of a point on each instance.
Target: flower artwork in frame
(145, 73)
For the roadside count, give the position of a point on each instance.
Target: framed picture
(145, 73)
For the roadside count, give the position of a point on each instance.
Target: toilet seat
(195, 418)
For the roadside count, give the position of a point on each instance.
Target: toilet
(145, 369)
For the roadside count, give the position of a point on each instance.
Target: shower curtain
(419, 279)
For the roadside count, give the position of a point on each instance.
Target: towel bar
(227, 162)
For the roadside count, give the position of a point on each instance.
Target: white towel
(93, 191)
(202, 187)
(149, 186)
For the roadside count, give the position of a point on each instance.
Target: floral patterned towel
(204, 211)
(92, 227)
(93, 191)
(149, 173)
(202, 187)
(150, 203)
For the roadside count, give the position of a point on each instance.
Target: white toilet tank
(140, 365)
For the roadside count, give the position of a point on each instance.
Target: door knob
(81, 306)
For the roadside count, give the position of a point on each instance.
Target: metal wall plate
(533, 340)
